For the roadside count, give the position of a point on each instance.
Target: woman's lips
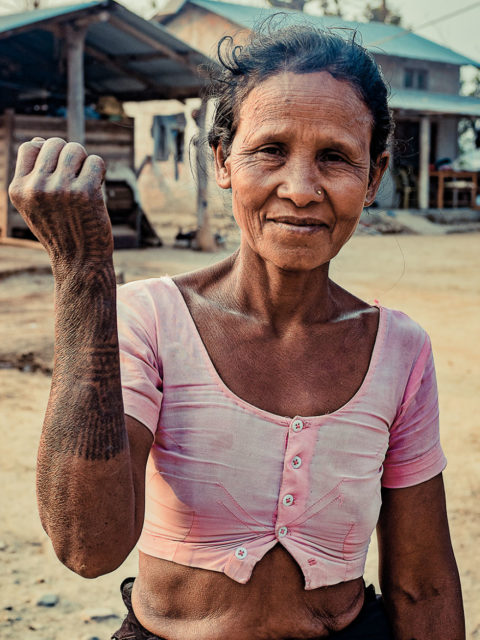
(300, 225)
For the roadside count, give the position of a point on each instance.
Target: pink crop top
(226, 481)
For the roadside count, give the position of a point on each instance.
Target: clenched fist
(57, 188)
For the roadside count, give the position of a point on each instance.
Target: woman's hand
(418, 573)
(57, 188)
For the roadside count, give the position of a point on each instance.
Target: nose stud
(318, 192)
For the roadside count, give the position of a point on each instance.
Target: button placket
(287, 502)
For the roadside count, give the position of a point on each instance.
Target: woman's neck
(281, 298)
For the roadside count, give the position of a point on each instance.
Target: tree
(382, 13)
(296, 5)
(469, 128)
(30, 5)
(328, 7)
(13, 6)
(328, 10)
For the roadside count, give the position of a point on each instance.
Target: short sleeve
(140, 367)
(414, 453)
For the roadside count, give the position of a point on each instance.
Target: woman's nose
(300, 184)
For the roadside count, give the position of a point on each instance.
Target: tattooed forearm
(85, 412)
(92, 408)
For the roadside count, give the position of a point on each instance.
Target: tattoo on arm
(85, 413)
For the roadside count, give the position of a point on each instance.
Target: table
(448, 178)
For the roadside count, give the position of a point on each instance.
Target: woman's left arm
(418, 573)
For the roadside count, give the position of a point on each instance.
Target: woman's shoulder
(193, 281)
(151, 303)
(163, 298)
(403, 331)
(148, 292)
(402, 321)
(205, 279)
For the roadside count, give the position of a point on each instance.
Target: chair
(405, 186)
(456, 186)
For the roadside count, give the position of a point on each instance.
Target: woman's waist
(182, 603)
(324, 555)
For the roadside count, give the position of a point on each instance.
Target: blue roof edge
(393, 32)
(13, 21)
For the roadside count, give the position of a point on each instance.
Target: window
(416, 79)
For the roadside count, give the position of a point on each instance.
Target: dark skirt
(370, 624)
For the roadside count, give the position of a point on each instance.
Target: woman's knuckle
(14, 191)
(79, 192)
(75, 148)
(96, 161)
(38, 190)
(30, 188)
(77, 187)
(57, 140)
(27, 146)
(50, 189)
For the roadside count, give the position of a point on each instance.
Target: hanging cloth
(168, 133)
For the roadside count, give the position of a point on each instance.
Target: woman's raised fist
(57, 188)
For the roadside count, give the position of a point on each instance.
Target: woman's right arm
(91, 460)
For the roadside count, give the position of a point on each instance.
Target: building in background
(424, 78)
(67, 71)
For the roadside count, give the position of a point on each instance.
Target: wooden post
(204, 238)
(424, 178)
(76, 83)
(5, 206)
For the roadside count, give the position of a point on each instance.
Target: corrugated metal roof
(377, 36)
(14, 21)
(125, 56)
(440, 103)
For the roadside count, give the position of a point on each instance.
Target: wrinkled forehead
(309, 98)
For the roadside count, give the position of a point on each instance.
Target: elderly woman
(270, 419)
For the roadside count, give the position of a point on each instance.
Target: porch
(424, 146)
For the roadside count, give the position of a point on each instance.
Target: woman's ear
(222, 168)
(375, 178)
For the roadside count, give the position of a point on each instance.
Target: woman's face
(299, 133)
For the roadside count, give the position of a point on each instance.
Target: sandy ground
(434, 279)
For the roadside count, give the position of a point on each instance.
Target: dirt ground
(434, 279)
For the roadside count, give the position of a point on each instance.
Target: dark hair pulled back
(297, 48)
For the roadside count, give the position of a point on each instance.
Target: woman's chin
(304, 254)
(297, 259)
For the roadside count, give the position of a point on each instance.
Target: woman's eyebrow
(348, 145)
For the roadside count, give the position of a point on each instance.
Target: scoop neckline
(274, 417)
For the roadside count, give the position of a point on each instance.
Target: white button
(297, 425)
(296, 462)
(282, 532)
(288, 500)
(241, 553)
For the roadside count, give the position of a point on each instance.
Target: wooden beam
(9, 124)
(110, 61)
(204, 238)
(152, 42)
(141, 57)
(424, 177)
(22, 243)
(75, 83)
(160, 93)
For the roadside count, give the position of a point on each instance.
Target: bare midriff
(177, 602)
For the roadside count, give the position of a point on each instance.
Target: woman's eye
(271, 151)
(333, 157)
